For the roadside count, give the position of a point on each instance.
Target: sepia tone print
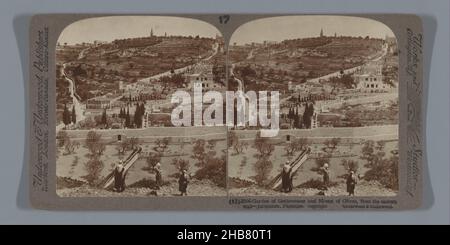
(226, 112)
(114, 80)
(339, 107)
(128, 123)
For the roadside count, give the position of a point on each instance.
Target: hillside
(300, 59)
(97, 69)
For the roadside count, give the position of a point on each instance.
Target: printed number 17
(223, 19)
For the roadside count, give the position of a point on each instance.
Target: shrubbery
(381, 169)
(93, 168)
(317, 184)
(385, 171)
(214, 170)
(147, 183)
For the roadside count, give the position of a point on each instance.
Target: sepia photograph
(337, 78)
(115, 137)
(146, 109)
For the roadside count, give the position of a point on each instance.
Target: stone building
(201, 74)
(369, 79)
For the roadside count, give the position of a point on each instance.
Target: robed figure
(119, 177)
(286, 177)
(351, 183)
(183, 182)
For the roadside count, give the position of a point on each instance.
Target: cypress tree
(66, 116)
(104, 117)
(136, 115)
(127, 118)
(296, 119)
(74, 115)
(309, 111)
(142, 110)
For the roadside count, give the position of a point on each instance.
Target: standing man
(158, 175)
(183, 182)
(351, 183)
(286, 181)
(119, 177)
(326, 176)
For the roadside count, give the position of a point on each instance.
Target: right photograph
(337, 78)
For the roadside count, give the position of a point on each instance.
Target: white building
(201, 74)
(370, 79)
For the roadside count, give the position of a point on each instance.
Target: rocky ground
(195, 188)
(206, 188)
(364, 188)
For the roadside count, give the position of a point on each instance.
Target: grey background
(14, 19)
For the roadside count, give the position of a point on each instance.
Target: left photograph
(115, 83)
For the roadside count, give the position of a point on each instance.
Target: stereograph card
(226, 112)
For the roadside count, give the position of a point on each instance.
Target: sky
(270, 29)
(291, 27)
(119, 27)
